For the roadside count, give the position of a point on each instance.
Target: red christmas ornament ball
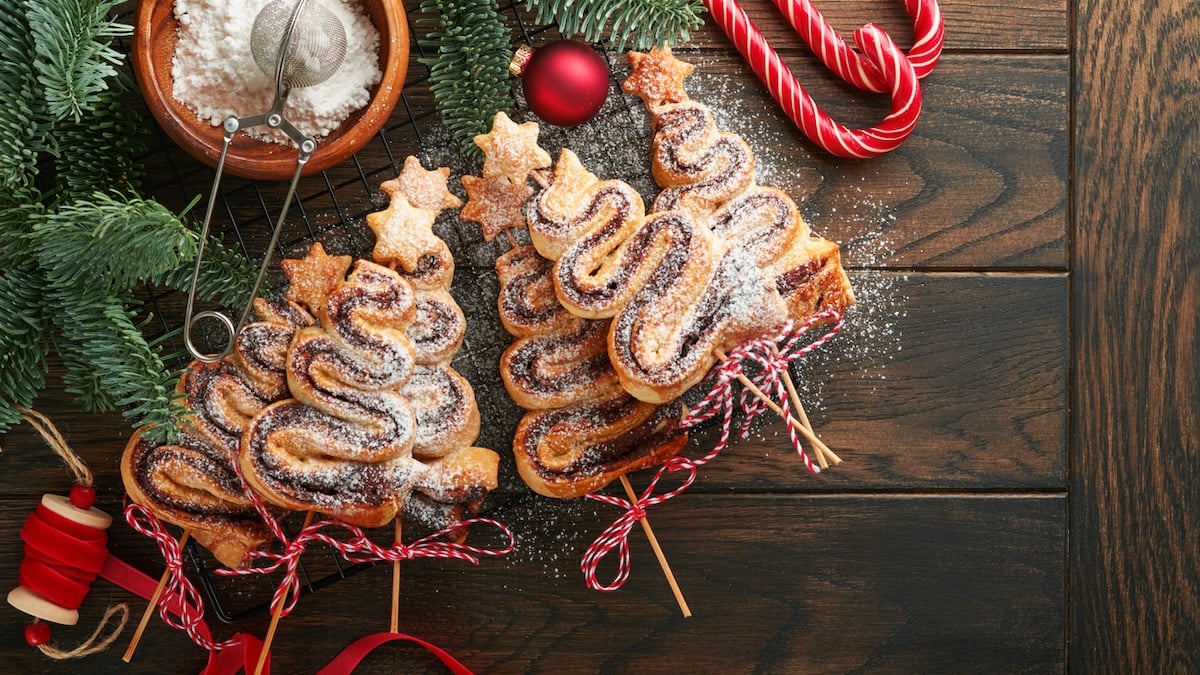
(565, 82)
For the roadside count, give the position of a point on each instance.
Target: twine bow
(358, 548)
(181, 606)
(763, 363)
(616, 535)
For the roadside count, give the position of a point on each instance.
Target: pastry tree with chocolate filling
(379, 424)
(709, 174)
(716, 261)
(193, 482)
(582, 430)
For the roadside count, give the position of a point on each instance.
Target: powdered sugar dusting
(215, 75)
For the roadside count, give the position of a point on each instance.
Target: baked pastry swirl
(343, 446)
(677, 293)
(709, 174)
(192, 482)
(581, 430)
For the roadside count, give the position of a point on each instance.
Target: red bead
(37, 633)
(565, 83)
(83, 496)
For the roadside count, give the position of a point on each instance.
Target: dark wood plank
(942, 382)
(953, 584)
(1135, 560)
(1027, 25)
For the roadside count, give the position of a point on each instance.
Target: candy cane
(849, 65)
(893, 68)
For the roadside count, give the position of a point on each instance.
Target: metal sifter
(311, 50)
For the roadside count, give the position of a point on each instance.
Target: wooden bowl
(154, 42)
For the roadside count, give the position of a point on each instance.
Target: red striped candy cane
(894, 71)
(832, 50)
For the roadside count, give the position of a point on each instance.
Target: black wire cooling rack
(331, 207)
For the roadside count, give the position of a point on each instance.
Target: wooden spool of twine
(65, 549)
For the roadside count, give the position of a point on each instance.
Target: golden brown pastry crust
(192, 482)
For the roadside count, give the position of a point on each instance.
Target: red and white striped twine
(358, 548)
(180, 605)
(771, 356)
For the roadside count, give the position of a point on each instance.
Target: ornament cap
(520, 58)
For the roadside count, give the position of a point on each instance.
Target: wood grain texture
(950, 584)
(1135, 561)
(942, 544)
(942, 382)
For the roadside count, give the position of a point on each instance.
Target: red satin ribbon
(62, 557)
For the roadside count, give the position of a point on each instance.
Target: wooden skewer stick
(804, 431)
(395, 624)
(662, 559)
(154, 597)
(266, 647)
(823, 452)
(512, 239)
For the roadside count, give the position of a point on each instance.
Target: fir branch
(74, 58)
(23, 347)
(21, 140)
(469, 76)
(108, 348)
(98, 153)
(225, 276)
(112, 243)
(642, 24)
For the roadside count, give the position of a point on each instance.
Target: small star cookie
(511, 150)
(495, 203)
(424, 189)
(403, 232)
(313, 277)
(657, 76)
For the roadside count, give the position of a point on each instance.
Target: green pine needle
(75, 60)
(21, 141)
(109, 362)
(23, 347)
(641, 24)
(469, 77)
(89, 242)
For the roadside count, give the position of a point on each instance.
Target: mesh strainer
(310, 51)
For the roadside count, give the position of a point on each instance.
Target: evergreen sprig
(75, 59)
(640, 24)
(111, 366)
(23, 343)
(75, 237)
(469, 76)
(21, 141)
(87, 242)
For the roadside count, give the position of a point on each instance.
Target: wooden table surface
(1013, 396)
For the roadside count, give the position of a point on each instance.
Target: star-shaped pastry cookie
(571, 177)
(511, 149)
(403, 233)
(424, 189)
(313, 277)
(495, 203)
(657, 76)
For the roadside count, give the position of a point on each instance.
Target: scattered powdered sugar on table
(215, 74)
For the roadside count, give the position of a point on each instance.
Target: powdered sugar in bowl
(154, 51)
